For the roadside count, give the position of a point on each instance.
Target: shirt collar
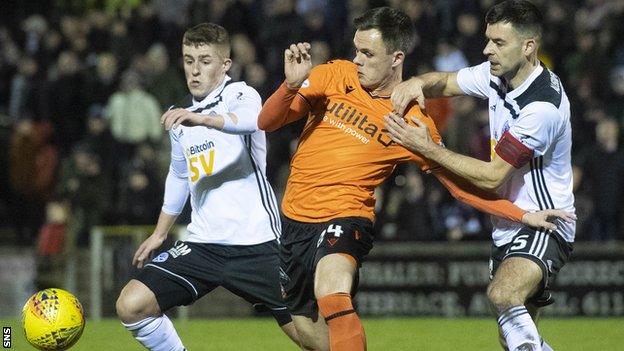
(213, 94)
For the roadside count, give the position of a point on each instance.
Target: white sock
(156, 334)
(545, 346)
(519, 330)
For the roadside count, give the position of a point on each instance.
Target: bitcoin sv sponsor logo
(354, 123)
(195, 149)
(202, 162)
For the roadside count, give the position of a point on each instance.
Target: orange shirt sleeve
(282, 107)
(288, 105)
(315, 87)
(480, 199)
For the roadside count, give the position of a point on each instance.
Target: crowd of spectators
(83, 85)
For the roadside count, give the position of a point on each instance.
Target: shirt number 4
(334, 229)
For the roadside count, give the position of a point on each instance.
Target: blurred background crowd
(83, 84)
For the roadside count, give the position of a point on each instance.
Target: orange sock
(345, 330)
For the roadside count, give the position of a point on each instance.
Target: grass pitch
(427, 334)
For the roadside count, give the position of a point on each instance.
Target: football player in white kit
(218, 156)
(530, 164)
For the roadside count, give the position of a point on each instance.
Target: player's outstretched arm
(142, 254)
(241, 119)
(542, 219)
(281, 107)
(428, 85)
(489, 203)
(179, 116)
(176, 194)
(480, 199)
(417, 138)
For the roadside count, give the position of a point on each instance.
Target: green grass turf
(382, 334)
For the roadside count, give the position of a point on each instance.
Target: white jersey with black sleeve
(529, 128)
(232, 202)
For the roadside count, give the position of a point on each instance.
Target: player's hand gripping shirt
(232, 202)
(530, 129)
(344, 152)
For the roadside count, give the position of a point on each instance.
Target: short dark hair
(523, 15)
(208, 34)
(396, 28)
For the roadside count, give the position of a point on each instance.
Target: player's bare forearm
(477, 172)
(179, 116)
(214, 122)
(434, 84)
(417, 138)
(164, 224)
(428, 85)
(142, 254)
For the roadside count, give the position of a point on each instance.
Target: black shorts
(548, 249)
(304, 244)
(187, 271)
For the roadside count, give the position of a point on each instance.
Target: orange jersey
(344, 152)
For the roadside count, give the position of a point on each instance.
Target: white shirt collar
(213, 94)
(527, 82)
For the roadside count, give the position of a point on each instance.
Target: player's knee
(134, 305)
(323, 289)
(332, 285)
(126, 311)
(501, 298)
(495, 296)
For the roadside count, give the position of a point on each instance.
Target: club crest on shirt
(161, 258)
(504, 129)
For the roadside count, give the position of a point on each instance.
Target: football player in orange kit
(343, 155)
